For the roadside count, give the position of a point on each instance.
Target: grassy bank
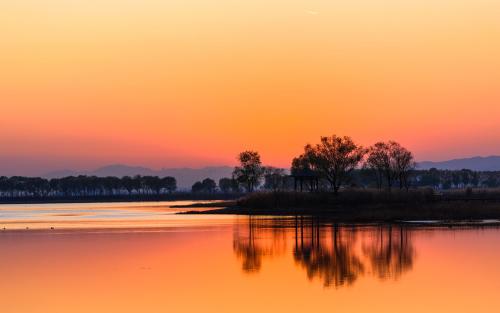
(371, 205)
(326, 200)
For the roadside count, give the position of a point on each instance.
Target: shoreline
(416, 213)
(438, 213)
(423, 223)
(111, 199)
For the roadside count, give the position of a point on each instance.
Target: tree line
(273, 179)
(453, 179)
(85, 186)
(329, 165)
(364, 177)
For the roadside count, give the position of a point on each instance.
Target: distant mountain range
(186, 177)
(491, 163)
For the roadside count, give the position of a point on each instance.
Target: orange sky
(193, 82)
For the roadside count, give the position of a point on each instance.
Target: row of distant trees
(328, 165)
(448, 179)
(84, 186)
(274, 179)
(363, 177)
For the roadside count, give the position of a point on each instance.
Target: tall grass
(374, 205)
(474, 194)
(287, 199)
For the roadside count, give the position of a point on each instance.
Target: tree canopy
(334, 158)
(250, 171)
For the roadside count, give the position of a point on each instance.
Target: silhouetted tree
(403, 162)
(456, 178)
(197, 187)
(151, 184)
(430, 178)
(209, 185)
(334, 158)
(390, 161)
(300, 165)
(474, 179)
(128, 184)
(169, 183)
(491, 181)
(206, 186)
(250, 171)
(379, 160)
(227, 185)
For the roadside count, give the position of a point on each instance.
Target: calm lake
(141, 257)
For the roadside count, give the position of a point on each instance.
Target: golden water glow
(118, 215)
(193, 82)
(372, 269)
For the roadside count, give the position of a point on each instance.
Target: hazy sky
(192, 82)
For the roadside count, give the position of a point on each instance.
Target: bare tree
(250, 171)
(403, 162)
(379, 160)
(227, 185)
(392, 162)
(334, 158)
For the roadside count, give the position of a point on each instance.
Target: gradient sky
(85, 83)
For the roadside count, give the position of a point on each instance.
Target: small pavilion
(307, 177)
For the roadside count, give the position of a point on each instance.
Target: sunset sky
(85, 83)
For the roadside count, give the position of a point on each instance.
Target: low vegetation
(373, 205)
(352, 197)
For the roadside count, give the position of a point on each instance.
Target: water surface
(101, 215)
(242, 264)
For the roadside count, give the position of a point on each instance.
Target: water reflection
(254, 241)
(328, 254)
(335, 255)
(391, 252)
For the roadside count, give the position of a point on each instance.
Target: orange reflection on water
(257, 265)
(104, 215)
(334, 254)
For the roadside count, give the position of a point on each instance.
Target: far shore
(135, 198)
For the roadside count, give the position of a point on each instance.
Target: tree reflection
(390, 252)
(333, 261)
(246, 249)
(257, 240)
(335, 255)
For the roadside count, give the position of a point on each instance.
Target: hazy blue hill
(186, 177)
(491, 163)
(122, 170)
